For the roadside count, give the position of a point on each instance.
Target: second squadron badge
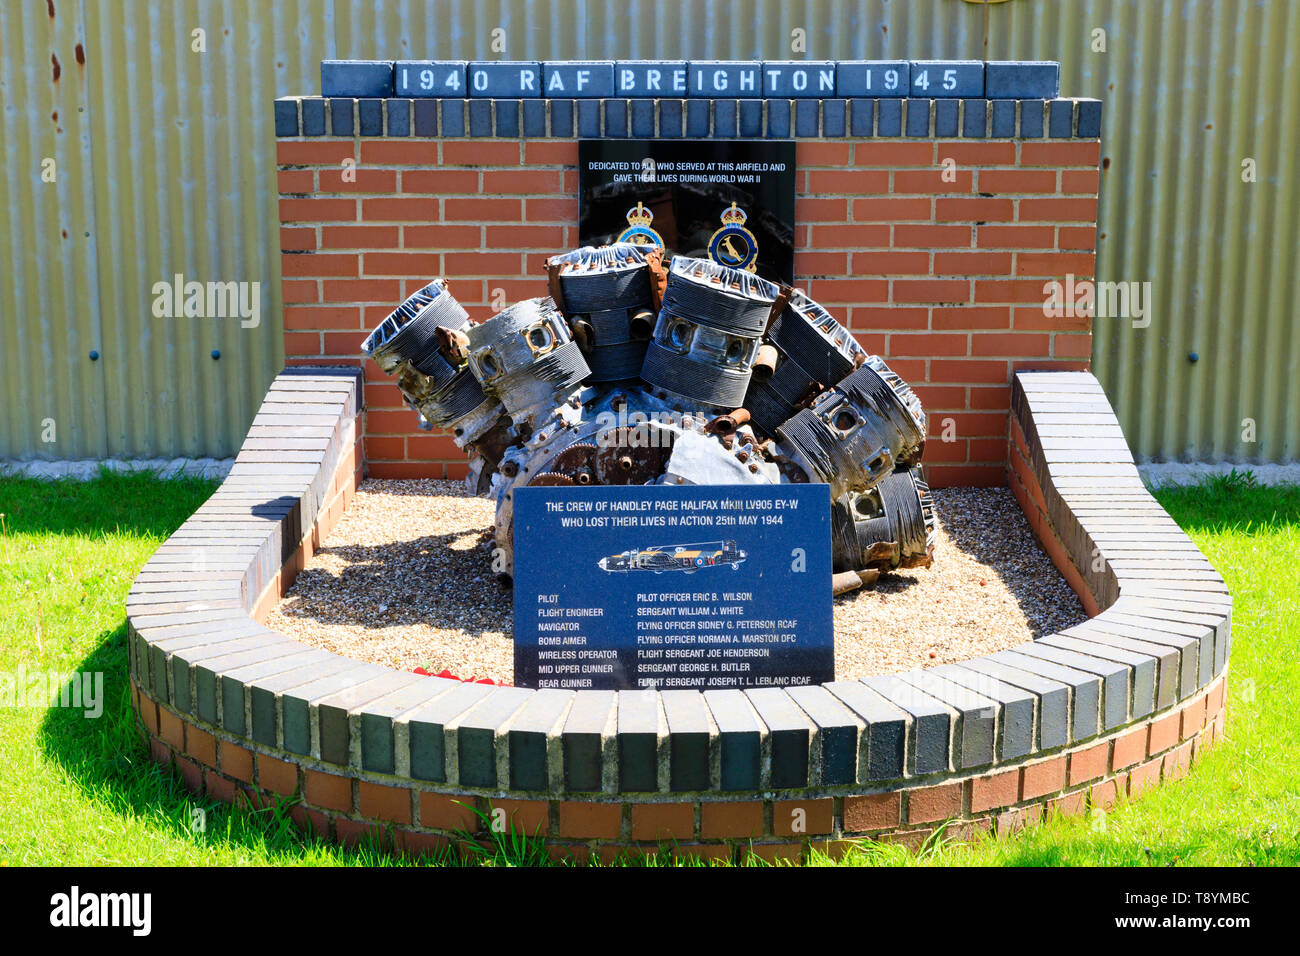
(733, 245)
(638, 229)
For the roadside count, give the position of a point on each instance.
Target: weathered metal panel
(171, 169)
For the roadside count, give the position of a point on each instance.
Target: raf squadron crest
(638, 229)
(733, 245)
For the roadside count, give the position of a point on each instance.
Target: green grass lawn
(82, 791)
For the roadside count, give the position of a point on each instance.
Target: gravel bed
(404, 580)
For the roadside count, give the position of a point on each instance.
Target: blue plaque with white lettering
(505, 80)
(799, 78)
(581, 79)
(879, 78)
(642, 78)
(672, 587)
(442, 78)
(940, 79)
(726, 78)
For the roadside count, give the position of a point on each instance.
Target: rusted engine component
(527, 358)
(887, 527)
(855, 432)
(409, 344)
(608, 295)
(707, 333)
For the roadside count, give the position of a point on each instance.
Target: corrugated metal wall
(165, 165)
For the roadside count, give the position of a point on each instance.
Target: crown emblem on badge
(640, 216)
(733, 215)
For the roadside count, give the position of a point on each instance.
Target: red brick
(1009, 343)
(432, 447)
(344, 343)
(913, 840)
(663, 821)
(789, 853)
(880, 262)
(822, 154)
(969, 371)
(313, 153)
(1164, 734)
(932, 804)
(818, 817)
(1010, 290)
(1060, 154)
(1076, 237)
(480, 153)
(355, 833)
(896, 154)
(1078, 345)
(928, 343)
(278, 776)
(993, 236)
(1079, 181)
(1043, 778)
(1214, 699)
(1016, 181)
(399, 152)
(850, 236)
(1089, 763)
(1107, 793)
(929, 236)
(936, 181)
(1058, 210)
(931, 290)
(994, 397)
(219, 787)
(1144, 777)
(818, 263)
(523, 181)
(972, 263)
(406, 208)
(1129, 749)
(358, 181)
(970, 424)
(979, 209)
(327, 790)
(297, 240)
(936, 397)
(1034, 317)
(548, 238)
(728, 820)
(302, 343)
(979, 154)
(1068, 805)
(1080, 265)
(159, 752)
(854, 291)
(171, 729)
(318, 210)
(552, 153)
(441, 236)
(384, 803)
(590, 821)
(561, 210)
(191, 774)
(439, 182)
(705, 853)
(888, 318)
(1193, 717)
(318, 264)
(235, 761)
(820, 209)
(970, 317)
(524, 817)
(482, 263)
(360, 237)
(414, 844)
(299, 290)
(295, 181)
(821, 181)
(891, 209)
(363, 290)
(994, 790)
(402, 264)
(441, 811)
(201, 745)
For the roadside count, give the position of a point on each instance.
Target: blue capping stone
(1089, 123)
(399, 117)
(507, 118)
(561, 118)
(429, 78)
(1031, 119)
(505, 79)
(806, 118)
(834, 117)
(480, 117)
(643, 118)
(1004, 119)
(889, 117)
(286, 117)
(426, 118)
(918, 117)
(799, 79)
(341, 117)
(581, 79)
(945, 117)
(940, 79)
(697, 118)
(370, 114)
(713, 78)
(534, 122)
(1022, 80)
(725, 116)
(452, 115)
(871, 78)
(751, 117)
(778, 119)
(313, 116)
(670, 119)
(1060, 119)
(650, 78)
(615, 118)
(974, 118)
(862, 117)
(588, 119)
(356, 78)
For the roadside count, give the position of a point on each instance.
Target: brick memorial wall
(928, 224)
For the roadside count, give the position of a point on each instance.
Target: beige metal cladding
(165, 164)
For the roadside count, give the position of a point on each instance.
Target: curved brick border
(1106, 708)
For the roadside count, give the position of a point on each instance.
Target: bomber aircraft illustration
(675, 557)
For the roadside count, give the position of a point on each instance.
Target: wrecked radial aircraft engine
(633, 373)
